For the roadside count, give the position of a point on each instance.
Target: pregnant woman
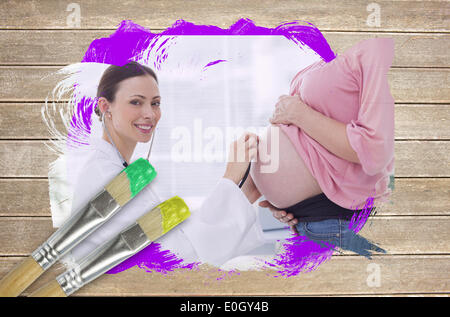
(336, 145)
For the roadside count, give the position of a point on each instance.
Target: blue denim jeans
(337, 233)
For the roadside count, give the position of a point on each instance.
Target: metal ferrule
(127, 243)
(75, 229)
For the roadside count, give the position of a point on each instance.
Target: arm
(250, 191)
(226, 225)
(330, 133)
(242, 151)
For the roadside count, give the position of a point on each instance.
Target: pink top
(353, 89)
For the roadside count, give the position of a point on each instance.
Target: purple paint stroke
(153, 259)
(213, 63)
(226, 274)
(131, 40)
(301, 255)
(359, 219)
(80, 125)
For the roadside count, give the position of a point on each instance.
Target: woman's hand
(289, 110)
(242, 151)
(292, 110)
(280, 214)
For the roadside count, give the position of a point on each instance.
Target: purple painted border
(128, 41)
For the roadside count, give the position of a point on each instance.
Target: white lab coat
(225, 226)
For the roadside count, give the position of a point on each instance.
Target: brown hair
(113, 75)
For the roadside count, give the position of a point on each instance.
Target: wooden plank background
(35, 41)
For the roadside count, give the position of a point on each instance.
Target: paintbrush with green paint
(136, 237)
(91, 216)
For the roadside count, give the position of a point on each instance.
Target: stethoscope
(124, 163)
(245, 175)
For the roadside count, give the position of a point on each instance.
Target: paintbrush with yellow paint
(136, 237)
(101, 208)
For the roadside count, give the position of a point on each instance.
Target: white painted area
(240, 92)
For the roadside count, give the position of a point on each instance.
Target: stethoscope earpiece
(124, 163)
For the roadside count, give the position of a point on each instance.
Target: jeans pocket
(323, 231)
(325, 228)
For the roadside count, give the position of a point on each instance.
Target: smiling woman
(128, 103)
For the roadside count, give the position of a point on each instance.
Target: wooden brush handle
(17, 280)
(52, 289)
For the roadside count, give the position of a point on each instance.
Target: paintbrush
(101, 208)
(136, 237)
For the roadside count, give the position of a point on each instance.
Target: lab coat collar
(105, 147)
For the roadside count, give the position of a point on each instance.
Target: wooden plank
(408, 16)
(422, 159)
(401, 235)
(27, 234)
(28, 83)
(46, 47)
(50, 47)
(419, 197)
(29, 197)
(412, 158)
(340, 275)
(25, 159)
(411, 49)
(422, 122)
(24, 197)
(397, 235)
(24, 121)
(418, 85)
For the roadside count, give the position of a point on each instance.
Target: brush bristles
(173, 211)
(151, 224)
(131, 181)
(119, 189)
(164, 217)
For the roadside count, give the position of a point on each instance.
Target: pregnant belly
(279, 173)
